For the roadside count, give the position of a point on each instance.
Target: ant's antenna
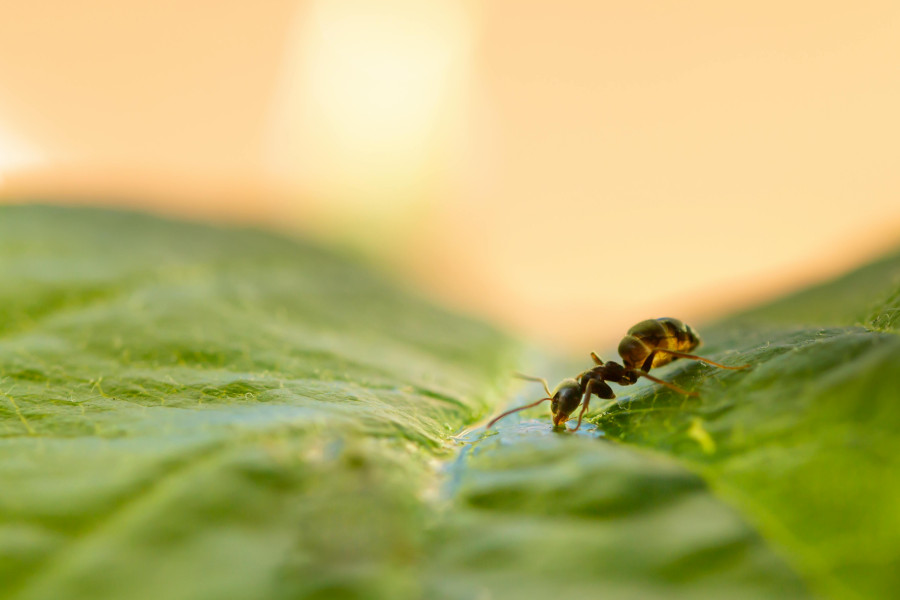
(509, 412)
(540, 380)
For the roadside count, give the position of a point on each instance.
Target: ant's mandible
(649, 344)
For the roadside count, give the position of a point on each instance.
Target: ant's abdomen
(656, 334)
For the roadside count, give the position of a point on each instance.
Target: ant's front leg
(600, 389)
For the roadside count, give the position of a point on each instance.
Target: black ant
(651, 343)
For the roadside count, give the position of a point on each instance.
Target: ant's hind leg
(671, 386)
(706, 360)
(540, 380)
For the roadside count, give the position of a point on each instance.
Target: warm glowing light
(364, 95)
(565, 169)
(15, 155)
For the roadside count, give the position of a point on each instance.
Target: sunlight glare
(360, 113)
(14, 155)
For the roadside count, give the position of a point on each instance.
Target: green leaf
(195, 412)
(541, 515)
(189, 411)
(805, 444)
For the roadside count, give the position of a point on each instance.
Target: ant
(651, 343)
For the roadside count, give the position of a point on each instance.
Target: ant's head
(566, 399)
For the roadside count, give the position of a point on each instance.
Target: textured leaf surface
(806, 443)
(187, 411)
(541, 514)
(195, 412)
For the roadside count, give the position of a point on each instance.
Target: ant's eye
(554, 406)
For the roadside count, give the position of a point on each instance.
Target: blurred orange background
(564, 169)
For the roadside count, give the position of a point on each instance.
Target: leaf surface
(195, 412)
(189, 411)
(805, 443)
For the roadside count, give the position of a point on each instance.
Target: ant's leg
(604, 392)
(671, 386)
(648, 363)
(700, 358)
(588, 390)
(584, 407)
(509, 412)
(540, 380)
(596, 359)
